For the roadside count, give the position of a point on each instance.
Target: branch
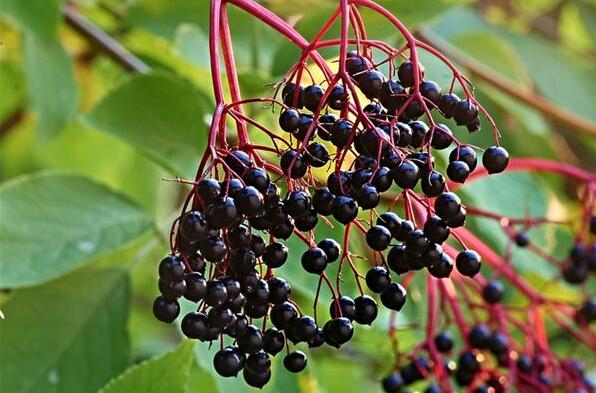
(525, 95)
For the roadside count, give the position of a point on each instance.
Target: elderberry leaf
(37, 17)
(66, 336)
(169, 373)
(162, 115)
(51, 223)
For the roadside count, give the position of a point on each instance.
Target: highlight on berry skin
(368, 143)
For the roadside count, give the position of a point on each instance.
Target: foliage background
(84, 145)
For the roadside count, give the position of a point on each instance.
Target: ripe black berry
(405, 73)
(171, 290)
(273, 341)
(344, 209)
(403, 134)
(289, 120)
(275, 255)
(256, 379)
(522, 239)
(392, 383)
(228, 362)
(368, 197)
(171, 269)
(436, 230)
(466, 154)
(464, 112)
(406, 174)
(283, 314)
(444, 342)
(279, 290)
(193, 226)
(337, 98)
(493, 291)
(194, 325)
(442, 137)
(443, 268)
(251, 340)
(249, 201)
(196, 286)
(419, 131)
(216, 293)
(221, 213)
(396, 261)
(314, 260)
(469, 361)
(366, 310)
(378, 237)
(495, 159)
(322, 201)
(433, 184)
(447, 205)
(258, 178)
(458, 171)
(165, 310)
(338, 331)
(468, 263)
(299, 166)
(340, 132)
(213, 249)
(394, 297)
(343, 307)
(311, 97)
(208, 190)
(447, 103)
(239, 236)
(220, 317)
(378, 279)
(371, 83)
(431, 90)
(416, 242)
(479, 336)
(317, 155)
(292, 93)
(295, 361)
(297, 203)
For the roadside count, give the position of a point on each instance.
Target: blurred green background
(85, 144)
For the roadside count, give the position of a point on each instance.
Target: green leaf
(13, 93)
(51, 223)
(50, 84)
(165, 374)
(162, 115)
(67, 336)
(39, 17)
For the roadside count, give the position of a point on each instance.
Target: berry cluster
(344, 153)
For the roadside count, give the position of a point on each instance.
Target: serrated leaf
(39, 17)
(162, 115)
(165, 374)
(67, 336)
(50, 84)
(50, 223)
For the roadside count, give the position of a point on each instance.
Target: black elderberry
(344, 209)
(231, 186)
(238, 161)
(284, 229)
(370, 141)
(493, 291)
(171, 269)
(474, 125)
(378, 237)
(339, 182)
(256, 379)
(368, 197)
(479, 336)
(193, 226)
(291, 94)
(406, 174)
(443, 268)
(255, 310)
(165, 310)
(447, 205)
(396, 261)
(436, 230)
(251, 340)
(306, 121)
(325, 122)
(403, 134)
(356, 65)
(297, 203)
(340, 133)
(470, 361)
(338, 98)
(495, 159)
(524, 364)
(419, 131)
(317, 340)
(314, 260)
(444, 342)
(216, 293)
(295, 361)
(239, 236)
(405, 73)
(405, 227)
(432, 255)
(371, 83)
(322, 201)
(521, 239)
(221, 213)
(257, 245)
(331, 249)
(279, 290)
(464, 112)
(442, 137)
(194, 325)
(296, 161)
(468, 263)
(391, 221)
(196, 286)
(273, 341)
(208, 190)
(317, 155)
(171, 290)
(196, 262)
(307, 222)
(249, 201)
(458, 220)
(311, 97)
(213, 249)
(366, 310)
(458, 171)
(586, 314)
(258, 178)
(412, 372)
(237, 326)
(416, 242)
(433, 184)
(344, 306)
(258, 362)
(382, 179)
(258, 292)
(498, 343)
(431, 90)
(228, 362)
(466, 154)
(378, 279)
(338, 331)
(447, 103)
(394, 297)
(283, 314)
(220, 317)
(393, 383)
(392, 95)
(289, 120)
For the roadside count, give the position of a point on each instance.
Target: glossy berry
(193, 226)
(447, 103)
(275, 255)
(436, 230)
(296, 161)
(251, 340)
(495, 159)
(171, 290)
(297, 203)
(458, 171)
(442, 137)
(416, 242)
(366, 310)
(295, 361)
(405, 72)
(368, 197)
(521, 239)
(443, 268)
(340, 132)
(258, 178)
(391, 221)
(433, 184)
(311, 97)
(338, 331)
(208, 190)
(256, 379)
(479, 336)
(322, 201)
(249, 201)
(468, 263)
(493, 291)
(393, 383)
(194, 325)
(238, 161)
(171, 269)
(165, 310)
(216, 293)
(196, 286)
(289, 120)
(378, 279)
(314, 260)
(292, 93)
(344, 209)
(470, 361)
(303, 329)
(317, 155)
(466, 154)
(228, 362)
(406, 174)
(403, 134)
(394, 297)
(273, 341)
(343, 307)
(444, 342)
(464, 112)
(378, 237)
(337, 98)
(419, 131)
(221, 213)
(331, 249)
(283, 314)
(220, 317)
(371, 83)
(396, 260)
(447, 205)
(356, 65)
(279, 290)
